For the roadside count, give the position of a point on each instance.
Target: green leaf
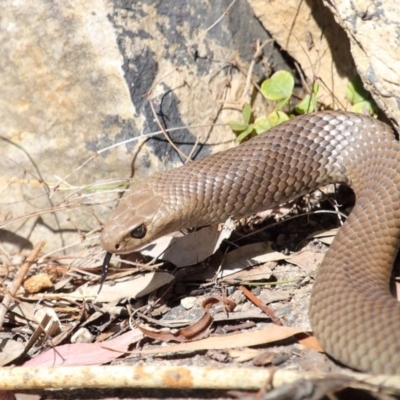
(246, 113)
(315, 88)
(277, 117)
(279, 86)
(307, 105)
(282, 103)
(261, 125)
(363, 107)
(245, 133)
(237, 126)
(355, 91)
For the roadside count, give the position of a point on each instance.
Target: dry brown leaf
(250, 314)
(243, 355)
(229, 305)
(325, 236)
(181, 335)
(86, 353)
(253, 338)
(264, 358)
(10, 350)
(193, 331)
(248, 256)
(309, 341)
(189, 249)
(138, 286)
(257, 273)
(307, 260)
(23, 311)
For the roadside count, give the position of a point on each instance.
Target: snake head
(133, 223)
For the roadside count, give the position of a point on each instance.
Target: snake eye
(139, 232)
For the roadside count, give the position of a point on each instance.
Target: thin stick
(19, 277)
(257, 54)
(181, 377)
(204, 33)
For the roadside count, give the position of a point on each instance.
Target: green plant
(359, 98)
(245, 128)
(277, 88)
(309, 103)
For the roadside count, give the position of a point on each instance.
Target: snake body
(352, 312)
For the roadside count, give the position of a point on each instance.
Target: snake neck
(352, 313)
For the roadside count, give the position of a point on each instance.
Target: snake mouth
(104, 269)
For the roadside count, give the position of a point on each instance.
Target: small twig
(312, 66)
(257, 54)
(264, 228)
(302, 77)
(261, 305)
(19, 277)
(130, 140)
(204, 33)
(181, 153)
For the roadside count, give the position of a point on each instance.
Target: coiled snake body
(352, 312)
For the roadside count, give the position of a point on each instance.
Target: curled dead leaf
(196, 330)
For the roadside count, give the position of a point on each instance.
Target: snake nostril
(117, 246)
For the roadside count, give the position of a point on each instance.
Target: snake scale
(352, 312)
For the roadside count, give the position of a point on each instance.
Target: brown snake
(352, 312)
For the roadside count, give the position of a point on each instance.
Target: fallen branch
(179, 377)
